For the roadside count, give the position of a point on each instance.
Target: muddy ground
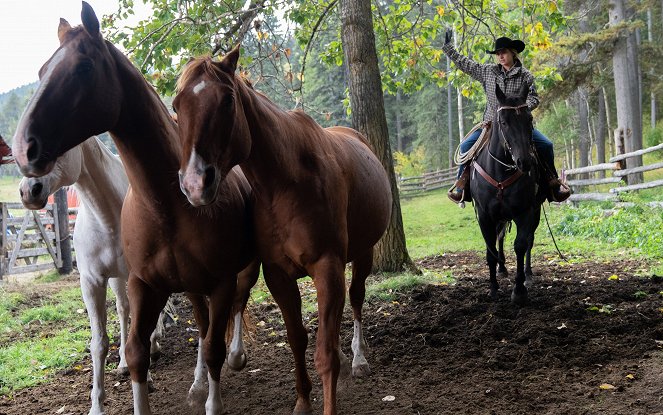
(438, 349)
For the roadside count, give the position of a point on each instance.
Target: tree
(368, 116)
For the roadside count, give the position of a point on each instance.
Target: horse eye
(174, 109)
(84, 67)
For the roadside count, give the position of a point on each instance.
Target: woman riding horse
(509, 74)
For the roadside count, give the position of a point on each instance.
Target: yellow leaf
(613, 277)
(630, 377)
(552, 7)
(606, 386)
(190, 339)
(288, 52)
(440, 10)
(465, 92)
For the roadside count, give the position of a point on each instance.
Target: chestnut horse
(87, 87)
(322, 199)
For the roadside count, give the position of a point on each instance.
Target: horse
(88, 86)
(100, 181)
(322, 199)
(505, 187)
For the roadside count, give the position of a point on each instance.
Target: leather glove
(448, 36)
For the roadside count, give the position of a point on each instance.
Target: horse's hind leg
(94, 296)
(245, 281)
(528, 259)
(146, 304)
(489, 232)
(119, 287)
(286, 293)
(501, 261)
(198, 391)
(521, 245)
(361, 268)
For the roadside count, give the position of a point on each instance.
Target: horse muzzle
(199, 186)
(34, 195)
(30, 157)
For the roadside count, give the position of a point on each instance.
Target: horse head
(34, 191)
(214, 131)
(77, 97)
(513, 124)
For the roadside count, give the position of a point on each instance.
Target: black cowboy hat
(507, 43)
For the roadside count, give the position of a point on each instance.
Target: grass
(9, 189)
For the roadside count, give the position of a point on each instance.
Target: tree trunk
(369, 118)
(652, 96)
(583, 128)
(625, 69)
(450, 129)
(601, 130)
(63, 229)
(399, 122)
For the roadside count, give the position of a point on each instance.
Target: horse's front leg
(521, 245)
(502, 272)
(286, 294)
(214, 347)
(245, 281)
(198, 391)
(489, 232)
(94, 296)
(146, 304)
(328, 277)
(528, 260)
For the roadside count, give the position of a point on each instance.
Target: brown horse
(322, 200)
(88, 87)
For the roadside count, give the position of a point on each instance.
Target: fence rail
(614, 173)
(419, 185)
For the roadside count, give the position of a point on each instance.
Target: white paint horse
(101, 183)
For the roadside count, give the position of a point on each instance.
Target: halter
(514, 177)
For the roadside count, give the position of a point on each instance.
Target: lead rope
(545, 215)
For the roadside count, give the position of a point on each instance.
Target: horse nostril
(34, 149)
(20, 192)
(36, 189)
(210, 173)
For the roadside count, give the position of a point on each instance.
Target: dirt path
(443, 349)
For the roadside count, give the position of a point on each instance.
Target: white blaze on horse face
(199, 87)
(20, 140)
(193, 180)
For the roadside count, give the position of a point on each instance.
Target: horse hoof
(150, 386)
(493, 294)
(154, 357)
(519, 298)
(529, 280)
(197, 396)
(237, 361)
(123, 371)
(503, 274)
(361, 370)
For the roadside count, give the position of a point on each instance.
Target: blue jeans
(544, 147)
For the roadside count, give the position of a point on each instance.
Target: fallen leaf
(61, 410)
(563, 326)
(606, 386)
(389, 398)
(630, 377)
(254, 370)
(613, 277)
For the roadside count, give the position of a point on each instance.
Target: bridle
(514, 177)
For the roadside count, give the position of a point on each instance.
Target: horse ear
(499, 94)
(90, 20)
(229, 62)
(63, 28)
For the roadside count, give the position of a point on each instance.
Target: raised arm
(465, 64)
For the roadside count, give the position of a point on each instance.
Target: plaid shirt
(491, 74)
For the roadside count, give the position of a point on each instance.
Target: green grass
(9, 189)
(388, 289)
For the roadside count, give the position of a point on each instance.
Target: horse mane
(204, 64)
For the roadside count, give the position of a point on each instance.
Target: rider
(509, 73)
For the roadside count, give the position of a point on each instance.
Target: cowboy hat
(507, 43)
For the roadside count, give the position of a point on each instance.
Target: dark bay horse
(504, 186)
(322, 200)
(88, 87)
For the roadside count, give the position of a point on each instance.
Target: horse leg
(119, 287)
(489, 232)
(328, 276)
(146, 304)
(285, 291)
(214, 347)
(528, 260)
(94, 296)
(245, 281)
(521, 246)
(502, 272)
(361, 268)
(198, 391)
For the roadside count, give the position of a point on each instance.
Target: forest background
(292, 52)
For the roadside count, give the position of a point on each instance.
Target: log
(636, 153)
(589, 182)
(590, 169)
(648, 185)
(640, 169)
(598, 197)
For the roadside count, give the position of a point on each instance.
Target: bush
(653, 136)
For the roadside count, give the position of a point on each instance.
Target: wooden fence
(31, 239)
(614, 173)
(418, 185)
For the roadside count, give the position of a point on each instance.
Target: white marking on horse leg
(359, 349)
(214, 404)
(94, 296)
(198, 390)
(199, 87)
(141, 401)
(237, 355)
(119, 287)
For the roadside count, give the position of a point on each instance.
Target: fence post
(620, 148)
(63, 227)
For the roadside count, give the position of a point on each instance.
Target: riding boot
(456, 191)
(559, 191)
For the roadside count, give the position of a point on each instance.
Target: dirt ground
(438, 349)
